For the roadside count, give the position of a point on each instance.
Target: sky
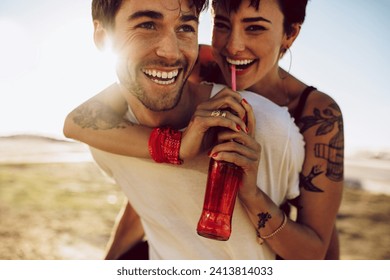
(49, 64)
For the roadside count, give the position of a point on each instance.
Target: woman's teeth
(239, 62)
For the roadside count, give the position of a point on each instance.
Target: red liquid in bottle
(223, 181)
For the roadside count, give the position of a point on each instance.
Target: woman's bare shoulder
(320, 100)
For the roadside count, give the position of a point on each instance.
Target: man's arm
(127, 232)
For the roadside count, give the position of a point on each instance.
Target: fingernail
(244, 100)
(238, 127)
(214, 155)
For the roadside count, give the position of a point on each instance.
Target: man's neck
(177, 117)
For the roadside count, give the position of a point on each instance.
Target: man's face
(156, 42)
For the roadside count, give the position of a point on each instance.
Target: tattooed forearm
(263, 218)
(97, 115)
(328, 121)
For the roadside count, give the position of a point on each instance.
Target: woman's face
(250, 39)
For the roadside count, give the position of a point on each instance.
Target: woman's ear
(292, 34)
(289, 37)
(100, 35)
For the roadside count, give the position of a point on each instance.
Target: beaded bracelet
(164, 145)
(260, 239)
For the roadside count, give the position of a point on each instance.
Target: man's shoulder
(112, 97)
(201, 91)
(110, 89)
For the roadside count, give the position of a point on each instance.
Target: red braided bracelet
(164, 145)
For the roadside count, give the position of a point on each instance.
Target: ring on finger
(216, 113)
(223, 114)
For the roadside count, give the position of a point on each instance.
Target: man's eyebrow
(249, 19)
(146, 13)
(186, 18)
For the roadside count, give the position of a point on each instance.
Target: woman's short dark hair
(106, 10)
(294, 11)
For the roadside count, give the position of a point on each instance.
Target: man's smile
(161, 77)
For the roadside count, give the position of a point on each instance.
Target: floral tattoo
(263, 219)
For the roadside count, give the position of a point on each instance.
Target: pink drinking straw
(234, 85)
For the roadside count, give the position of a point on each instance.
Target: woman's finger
(250, 117)
(221, 118)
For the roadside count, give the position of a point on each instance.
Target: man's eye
(255, 28)
(187, 28)
(147, 25)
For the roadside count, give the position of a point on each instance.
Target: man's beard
(162, 102)
(158, 105)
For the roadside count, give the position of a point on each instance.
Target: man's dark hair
(106, 10)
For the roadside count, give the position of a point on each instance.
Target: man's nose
(169, 47)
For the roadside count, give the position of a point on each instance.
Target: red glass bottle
(223, 181)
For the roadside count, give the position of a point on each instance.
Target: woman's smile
(242, 65)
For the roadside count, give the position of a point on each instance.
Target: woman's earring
(284, 50)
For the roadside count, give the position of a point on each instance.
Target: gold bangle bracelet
(261, 239)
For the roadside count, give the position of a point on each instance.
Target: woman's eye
(255, 28)
(220, 25)
(147, 25)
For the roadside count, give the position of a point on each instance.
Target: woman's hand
(241, 148)
(200, 134)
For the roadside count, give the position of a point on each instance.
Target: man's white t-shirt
(169, 198)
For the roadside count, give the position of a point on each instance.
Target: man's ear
(100, 35)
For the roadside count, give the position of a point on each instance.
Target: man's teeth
(166, 82)
(161, 74)
(239, 62)
(162, 77)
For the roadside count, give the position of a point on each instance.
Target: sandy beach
(56, 204)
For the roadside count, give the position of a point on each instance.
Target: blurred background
(49, 65)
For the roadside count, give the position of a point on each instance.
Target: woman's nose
(235, 44)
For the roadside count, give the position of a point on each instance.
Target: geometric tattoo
(97, 115)
(333, 152)
(263, 218)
